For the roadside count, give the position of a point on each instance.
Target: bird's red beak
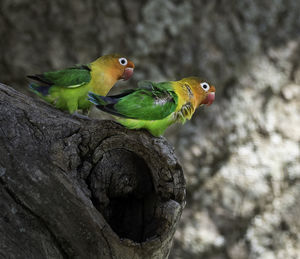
(209, 98)
(128, 72)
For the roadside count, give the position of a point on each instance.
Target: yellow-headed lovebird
(155, 106)
(67, 89)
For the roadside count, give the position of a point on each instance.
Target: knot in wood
(132, 185)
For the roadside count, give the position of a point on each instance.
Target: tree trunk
(82, 188)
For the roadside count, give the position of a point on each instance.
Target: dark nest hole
(123, 191)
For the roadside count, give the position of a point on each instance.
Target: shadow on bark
(74, 187)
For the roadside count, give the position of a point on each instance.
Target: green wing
(68, 78)
(148, 85)
(141, 104)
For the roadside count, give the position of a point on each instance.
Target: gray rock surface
(241, 155)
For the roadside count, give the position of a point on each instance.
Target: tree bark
(83, 188)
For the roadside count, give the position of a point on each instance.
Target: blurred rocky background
(241, 156)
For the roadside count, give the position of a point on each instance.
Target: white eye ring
(123, 61)
(205, 86)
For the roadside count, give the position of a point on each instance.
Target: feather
(42, 89)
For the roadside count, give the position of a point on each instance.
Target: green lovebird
(155, 106)
(67, 89)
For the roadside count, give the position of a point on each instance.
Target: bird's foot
(81, 116)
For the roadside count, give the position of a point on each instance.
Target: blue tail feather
(100, 100)
(42, 89)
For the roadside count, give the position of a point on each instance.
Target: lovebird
(67, 89)
(155, 106)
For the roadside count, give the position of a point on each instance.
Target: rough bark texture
(241, 155)
(81, 188)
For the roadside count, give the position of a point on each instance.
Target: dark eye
(123, 61)
(205, 86)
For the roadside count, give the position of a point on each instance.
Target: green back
(68, 78)
(151, 101)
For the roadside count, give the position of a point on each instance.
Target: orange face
(203, 92)
(127, 67)
(209, 91)
(120, 66)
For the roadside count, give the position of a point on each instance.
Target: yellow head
(107, 70)
(115, 66)
(204, 92)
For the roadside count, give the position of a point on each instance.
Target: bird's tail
(41, 90)
(100, 100)
(105, 103)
